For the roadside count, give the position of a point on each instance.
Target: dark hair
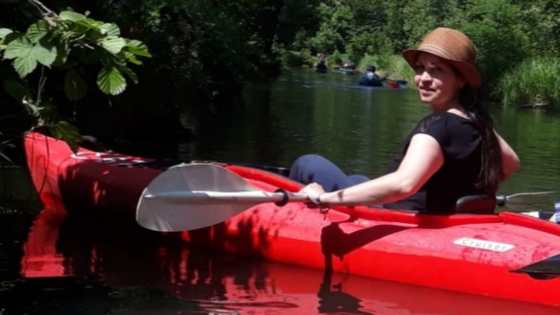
(491, 171)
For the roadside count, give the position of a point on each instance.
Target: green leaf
(72, 16)
(22, 50)
(37, 31)
(138, 48)
(27, 55)
(16, 90)
(45, 55)
(130, 74)
(4, 32)
(63, 50)
(110, 29)
(88, 24)
(113, 44)
(75, 87)
(20, 47)
(25, 66)
(7, 38)
(130, 57)
(79, 28)
(111, 81)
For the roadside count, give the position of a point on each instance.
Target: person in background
(452, 152)
(321, 65)
(370, 77)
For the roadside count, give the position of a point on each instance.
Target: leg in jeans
(311, 168)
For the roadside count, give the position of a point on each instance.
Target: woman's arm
(510, 161)
(423, 158)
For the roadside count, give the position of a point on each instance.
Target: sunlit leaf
(25, 66)
(80, 28)
(110, 29)
(138, 48)
(37, 31)
(22, 50)
(75, 87)
(72, 16)
(20, 47)
(113, 44)
(111, 81)
(3, 34)
(44, 55)
(130, 57)
(90, 24)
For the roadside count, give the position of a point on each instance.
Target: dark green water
(54, 264)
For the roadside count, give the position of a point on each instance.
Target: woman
(451, 153)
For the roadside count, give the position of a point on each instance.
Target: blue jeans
(311, 168)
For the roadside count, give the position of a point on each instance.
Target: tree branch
(43, 10)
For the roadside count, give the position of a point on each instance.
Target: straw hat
(453, 46)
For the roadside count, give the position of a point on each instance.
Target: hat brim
(468, 71)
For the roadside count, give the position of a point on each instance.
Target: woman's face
(438, 84)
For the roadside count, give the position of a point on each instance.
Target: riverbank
(534, 83)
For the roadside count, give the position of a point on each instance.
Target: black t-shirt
(460, 142)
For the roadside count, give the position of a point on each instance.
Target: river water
(52, 263)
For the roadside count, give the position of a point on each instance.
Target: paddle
(193, 196)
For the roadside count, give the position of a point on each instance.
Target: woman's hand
(314, 192)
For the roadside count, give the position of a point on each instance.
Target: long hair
(491, 171)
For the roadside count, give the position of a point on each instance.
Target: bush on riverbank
(394, 66)
(292, 58)
(535, 82)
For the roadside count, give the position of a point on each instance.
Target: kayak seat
(477, 204)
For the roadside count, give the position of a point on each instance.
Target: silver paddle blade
(175, 200)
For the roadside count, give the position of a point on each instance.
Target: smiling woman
(451, 153)
(437, 83)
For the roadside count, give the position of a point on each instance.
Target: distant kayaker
(370, 77)
(452, 152)
(321, 65)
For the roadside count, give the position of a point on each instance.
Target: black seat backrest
(478, 204)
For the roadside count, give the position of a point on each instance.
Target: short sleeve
(434, 125)
(457, 136)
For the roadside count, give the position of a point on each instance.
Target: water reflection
(332, 298)
(78, 264)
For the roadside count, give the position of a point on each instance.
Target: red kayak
(506, 255)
